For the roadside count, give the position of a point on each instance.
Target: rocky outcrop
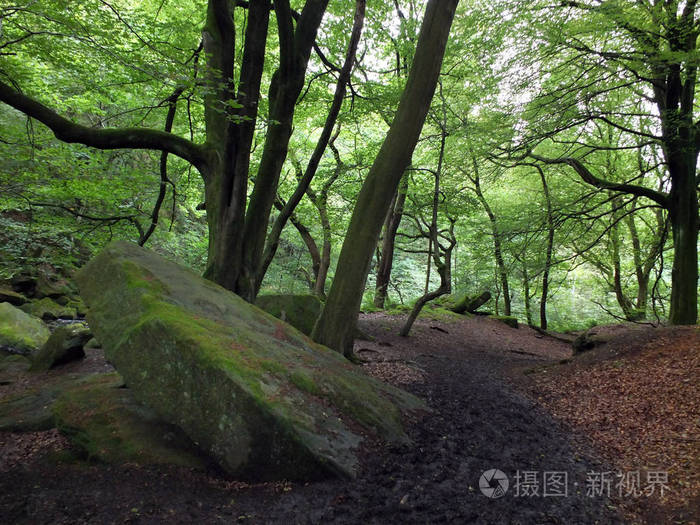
(254, 393)
(20, 333)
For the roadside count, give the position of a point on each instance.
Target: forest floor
(501, 398)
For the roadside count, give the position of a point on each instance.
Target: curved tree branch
(587, 176)
(116, 138)
(324, 139)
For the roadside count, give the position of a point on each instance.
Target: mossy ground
(47, 308)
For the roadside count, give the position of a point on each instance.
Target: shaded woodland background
(545, 171)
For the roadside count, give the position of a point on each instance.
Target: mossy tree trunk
(336, 325)
(683, 215)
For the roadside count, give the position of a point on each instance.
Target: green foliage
(525, 75)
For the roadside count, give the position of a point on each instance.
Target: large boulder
(257, 395)
(64, 345)
(20, 333)
(301, 311)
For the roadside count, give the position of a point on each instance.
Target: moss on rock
(49, 310)
(301, 311)
(106, 424)
(64, 345)
(510, 321)
(20, 332)
(12, 297)
(33, 410)
(253, 392)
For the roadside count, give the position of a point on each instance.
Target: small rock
(65, 344)
(14, 298)
(510, 321)
(587, 341)
(49, 310)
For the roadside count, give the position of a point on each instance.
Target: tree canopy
(297, 146)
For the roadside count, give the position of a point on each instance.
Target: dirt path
(480, 421)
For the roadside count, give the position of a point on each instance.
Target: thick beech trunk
(684, 225)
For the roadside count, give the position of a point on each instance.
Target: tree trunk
(674, 86)
(229, 132)
(336, 325)
(684, 225)
(323, 141)
(309, 241)
(285, 87)
(526, 293)
(386, 260)
(442, 260)
(548, 250)
(325, 261)
(640, 305)
(501, 270)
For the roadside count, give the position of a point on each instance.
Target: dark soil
(480, 421)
